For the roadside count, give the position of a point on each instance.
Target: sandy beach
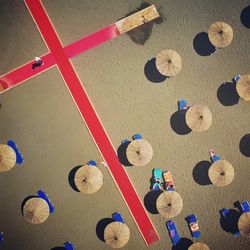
(42, 118)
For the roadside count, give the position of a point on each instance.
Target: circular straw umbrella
(221, 173)
(139, 152)
(220, 34)
(36, 210)
(116, 234)
(168, 62)
(169, 204)
(199, 118)
(88, 179)
(244, 225)
(7, 158)
(198, 246)
(243, 87)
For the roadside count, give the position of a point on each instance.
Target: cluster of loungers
(162, 180)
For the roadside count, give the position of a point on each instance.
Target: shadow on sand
(183, 244)
(152, 73)
(202, 45)
(200, 173)
(150, 201)
(100, 227)
(178, 123)
(26, 199)
(245, 145)
(245, 17)
(71, 177)
(230, 223)
(121, 152)
(227, 94)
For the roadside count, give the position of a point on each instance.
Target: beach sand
(42, 118)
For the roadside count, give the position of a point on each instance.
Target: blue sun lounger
(157, 178)
(1, 237)
(182, 104)
(244, 206)
(193, 226)
(137, 136)
(68, 245)
(236, 79)
(117, 217)
(173, 233)
(19, 156)
(41, 194)
(91, 163)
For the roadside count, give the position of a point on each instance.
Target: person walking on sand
(39, 62)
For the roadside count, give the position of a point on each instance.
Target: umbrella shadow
(100, 227)
(26, 199)
(71, 177)
(200, 173)
(183, 244)
(151, 72)
(178, 123)
(150, 201)
(227, 94)
(245, 145)
(229, 223)
(202, 45)
(245, 17)
(122, 156)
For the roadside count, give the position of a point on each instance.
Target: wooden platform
(139, 18)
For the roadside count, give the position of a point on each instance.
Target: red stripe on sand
(95, 127)
(25, 72)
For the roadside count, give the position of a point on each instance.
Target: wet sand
(42, 118)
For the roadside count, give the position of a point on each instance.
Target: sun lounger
(68, 245)
(168, 183)
(1, 236)
(236, 79)
(125, 141)
(213, 156)
(43, 195)
(173, 233)
(91, 163)
(157, 178)
(244, 206)
(193, 226)
(182, 104)
(19, 156)
(117, 217)
(136, 136)
(224, 212)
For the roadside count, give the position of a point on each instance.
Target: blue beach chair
(136, 137)
(173, 233)
(244, 206)
(213, 156)
(157, 178)
(193, 226)
(68, 245)
(1, 237)
(117, 217)
(41, 194)
(125, 141)
(91, 163)
(19, 156)
(182, 104)
(236, 79)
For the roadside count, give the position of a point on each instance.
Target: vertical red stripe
(95, 127)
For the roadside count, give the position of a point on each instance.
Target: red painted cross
(59, 56)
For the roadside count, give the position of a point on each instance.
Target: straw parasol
(244, 225)
(88, 179)
(198, 246)
(7, 158)
(199, 118)
(169, 204)
(168, 62)
(139, 152)
(116, 234)
(221, 173)
(36, 210)
(220, 34)
(243, 87)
